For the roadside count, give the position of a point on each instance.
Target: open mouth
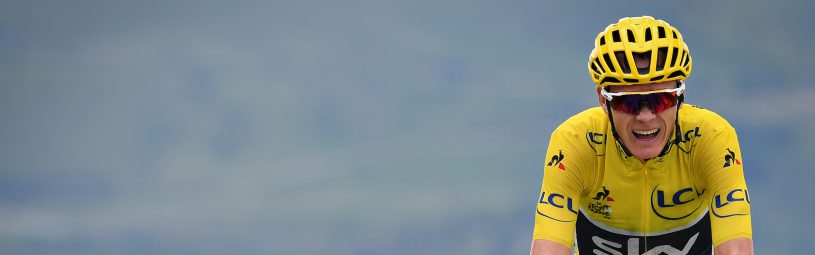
(645, 135)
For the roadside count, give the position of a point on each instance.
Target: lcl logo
(675, 205)
(690, 134)
(734, 197)
(557, 201)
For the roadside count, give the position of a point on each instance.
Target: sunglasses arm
(610, 95)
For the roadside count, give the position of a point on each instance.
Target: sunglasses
(632, 102)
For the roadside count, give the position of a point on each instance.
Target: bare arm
(736, 246)
(546, 247)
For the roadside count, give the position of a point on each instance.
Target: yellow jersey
(686, 201)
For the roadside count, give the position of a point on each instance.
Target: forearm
(738, 246)
(546, 247)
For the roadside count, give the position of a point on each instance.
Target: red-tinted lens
(632, 104)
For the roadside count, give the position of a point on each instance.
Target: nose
(645, 114)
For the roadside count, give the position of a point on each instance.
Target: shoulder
(571, 144)
(589, 119)
(708, 137)
(692, 116)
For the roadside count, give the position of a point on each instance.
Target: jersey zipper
(645, 208)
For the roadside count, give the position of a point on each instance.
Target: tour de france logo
(600, 206)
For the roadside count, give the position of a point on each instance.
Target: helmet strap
(677, 132)
(614, 130)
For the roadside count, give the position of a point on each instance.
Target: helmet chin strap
(614, 130)
(677, 130)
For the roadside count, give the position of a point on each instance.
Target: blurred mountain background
(352, 127)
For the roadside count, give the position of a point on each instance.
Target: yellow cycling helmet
(617, 48)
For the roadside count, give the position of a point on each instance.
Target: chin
(646, 152)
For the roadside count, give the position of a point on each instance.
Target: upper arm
(722, 171)
(557, 205)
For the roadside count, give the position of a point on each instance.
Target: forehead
(643, 87)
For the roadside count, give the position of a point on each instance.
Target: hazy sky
(289, 127)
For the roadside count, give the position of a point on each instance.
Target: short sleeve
(722, 171)
(557, 205)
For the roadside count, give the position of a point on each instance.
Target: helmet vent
(597, 65)
(603, 40)
(687, 60)
(620, 55)
(647, 34)
(631, 36)
(675, 37)
(609, 79)
(673, 56)
(661, 31)
(608, 63)
(615, 36)
(644, 56)
(657, 78)
(661, 53)
(676, 74)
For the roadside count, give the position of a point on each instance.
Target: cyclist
(643, 173)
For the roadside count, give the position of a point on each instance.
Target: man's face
(645, 133)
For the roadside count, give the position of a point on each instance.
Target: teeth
(646, 132)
